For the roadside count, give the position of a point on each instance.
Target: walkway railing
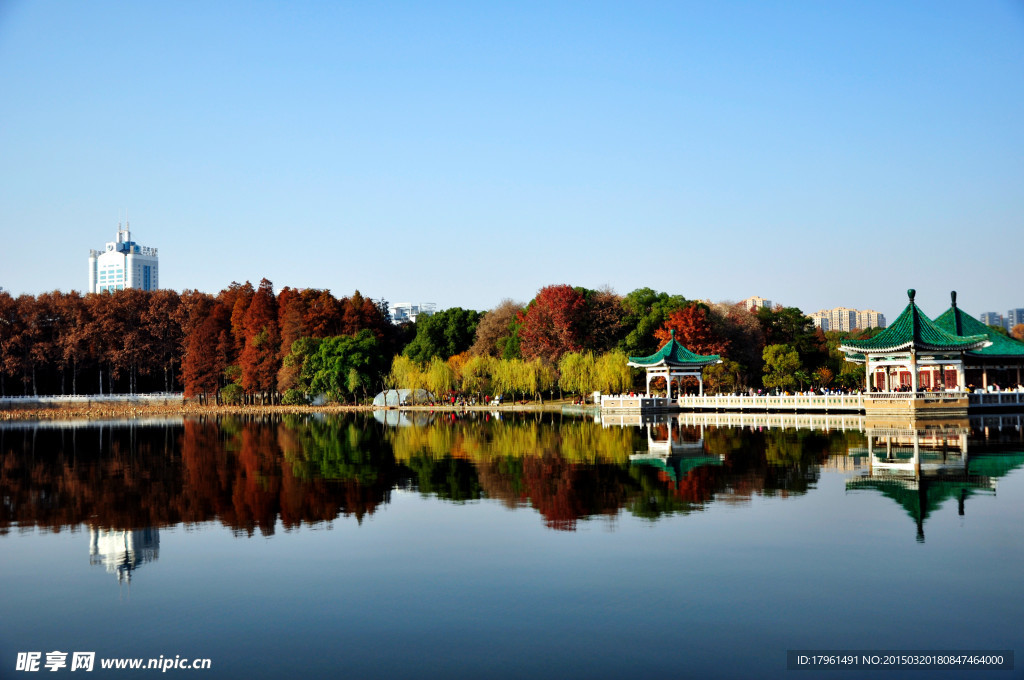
(58, 399)
(927, 397)
(996, 399)
(795, 402)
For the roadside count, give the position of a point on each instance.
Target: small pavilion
(914, 343)
(674, 362)
(1004, 357)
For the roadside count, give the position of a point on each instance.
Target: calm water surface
(522, 547)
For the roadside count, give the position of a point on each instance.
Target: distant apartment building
(407, 312)
(842, 319)
(869, 318)
(993, 319)
(124, 264)
(846, 319)
(754, 303)
(1014, 317)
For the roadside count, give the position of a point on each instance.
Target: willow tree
(612, 374)
(576, 371)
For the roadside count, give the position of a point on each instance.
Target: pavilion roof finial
(911, 293)
(673, 333)
(952, 296)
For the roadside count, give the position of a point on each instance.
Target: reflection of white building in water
(122, 552)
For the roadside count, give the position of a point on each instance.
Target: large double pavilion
(914, 353)
(1001, 363)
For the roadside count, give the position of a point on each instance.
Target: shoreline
(97, 410)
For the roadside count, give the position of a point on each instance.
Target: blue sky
(817, 154)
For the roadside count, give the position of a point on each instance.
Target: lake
(498, 545)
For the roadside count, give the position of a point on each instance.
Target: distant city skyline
(816, 154)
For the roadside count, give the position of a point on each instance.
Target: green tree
(345, 366)
(781, 362)
(645, 312)
(290, 375)
(444, 334)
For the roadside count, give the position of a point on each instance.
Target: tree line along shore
(250, 346)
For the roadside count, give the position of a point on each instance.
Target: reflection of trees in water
(563, 492)
(250, 473)
(123, 478)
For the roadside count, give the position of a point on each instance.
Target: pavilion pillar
(668, 385)
(867, 373)
(700, 379)
(984, 377)
(913, 371)
(961, 383)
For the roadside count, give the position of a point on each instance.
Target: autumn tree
(75, 351)
(207, 344)
(553, 323)
(604, 327)
(693, 330)
(259, 358)
(160, 317)
(495, 332)
(237, 297)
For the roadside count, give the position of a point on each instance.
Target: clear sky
(815, 153)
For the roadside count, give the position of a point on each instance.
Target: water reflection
(262, 474)
(121, 552)
(920, 465)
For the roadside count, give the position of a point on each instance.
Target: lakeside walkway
(821, 403)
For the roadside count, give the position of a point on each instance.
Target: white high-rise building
(403, 312)
(124, 264)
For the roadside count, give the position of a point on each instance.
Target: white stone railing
(793, 402)
(937, 397)
(984, 399)
(58, 399)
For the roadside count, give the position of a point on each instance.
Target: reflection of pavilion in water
(123, 551)
(922, 464)
(672, 448)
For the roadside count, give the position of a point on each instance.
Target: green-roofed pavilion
(1004, 357)
(912, 342)
(674, 362)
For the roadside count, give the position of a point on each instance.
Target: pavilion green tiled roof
(674, 354)
(955, 321)
(913, 329)
(678, 467)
